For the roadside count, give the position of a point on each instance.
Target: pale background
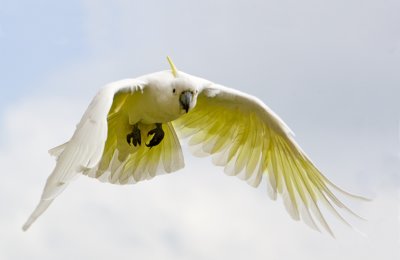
(330, 69)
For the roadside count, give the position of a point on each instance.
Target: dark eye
(174, 90)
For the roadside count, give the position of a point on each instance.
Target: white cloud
(196, 213)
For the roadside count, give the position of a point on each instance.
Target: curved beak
(186, 99)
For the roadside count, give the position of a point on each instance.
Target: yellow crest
(173, 68)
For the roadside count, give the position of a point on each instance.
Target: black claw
(135, 137)
(158, 135)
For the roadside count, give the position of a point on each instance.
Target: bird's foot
(134, 138)
(158, 135)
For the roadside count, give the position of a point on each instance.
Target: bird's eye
(174, 90)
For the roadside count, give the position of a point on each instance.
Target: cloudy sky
(330, 69)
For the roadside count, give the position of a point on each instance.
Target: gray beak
(186, 99)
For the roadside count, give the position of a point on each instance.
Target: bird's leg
(134, 137)
(158, 135)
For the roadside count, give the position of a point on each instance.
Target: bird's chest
(158, 114)
(150, 109)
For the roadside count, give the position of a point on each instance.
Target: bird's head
(184, 89)
(184, 92)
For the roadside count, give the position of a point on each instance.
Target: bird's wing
(251, 141)
(85, 148)
(122, 163)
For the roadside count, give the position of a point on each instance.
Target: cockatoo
(129, 134)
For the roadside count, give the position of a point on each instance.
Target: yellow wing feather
(250, 141)
(122, 163)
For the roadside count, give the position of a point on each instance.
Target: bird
(131, 132)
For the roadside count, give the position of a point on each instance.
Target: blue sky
(330, 70)
(37, 38)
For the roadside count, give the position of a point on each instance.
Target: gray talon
(158, 135)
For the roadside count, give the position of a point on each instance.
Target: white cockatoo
(127, 135)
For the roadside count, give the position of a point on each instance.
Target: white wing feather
(85, 148)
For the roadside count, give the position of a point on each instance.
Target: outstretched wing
(250, 141)
(86, 146)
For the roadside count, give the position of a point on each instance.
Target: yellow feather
(251, 143)
(173, 68)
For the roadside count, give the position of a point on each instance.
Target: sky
(330, 70)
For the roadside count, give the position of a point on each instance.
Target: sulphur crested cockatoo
(127, 135)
